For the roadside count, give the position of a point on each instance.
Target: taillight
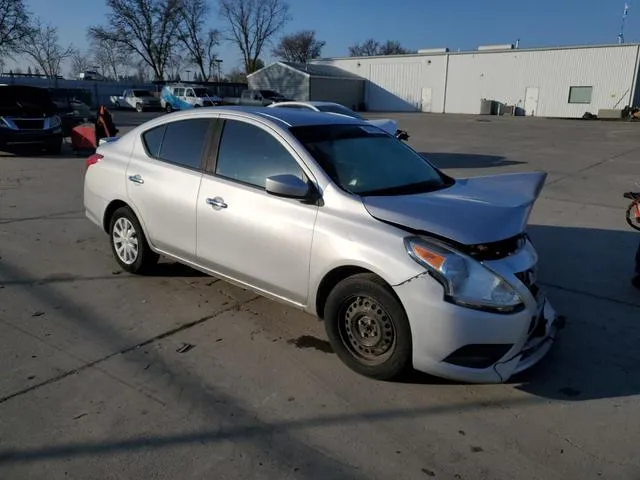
(93, 159)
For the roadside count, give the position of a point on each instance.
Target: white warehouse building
(549, 82)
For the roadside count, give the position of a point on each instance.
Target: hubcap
(367, 330)
(125, 240)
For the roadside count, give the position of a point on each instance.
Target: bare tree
(80, 62)
(367, 48)
(199, 42)
(14, 25)
(391, 47)
(299, 47)
(237, 76)
(112, 57)
(252, 24)
(42, 45)
(175, 65)
(147, 28)
(371, 47)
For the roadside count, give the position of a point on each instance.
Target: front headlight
(4, 123)
(55, 121)
(466, 281)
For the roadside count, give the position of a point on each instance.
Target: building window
(580, 94)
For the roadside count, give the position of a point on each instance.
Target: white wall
(505, 77)
(460, 80)
(395, 83)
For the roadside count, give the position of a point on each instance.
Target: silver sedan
(407, 266)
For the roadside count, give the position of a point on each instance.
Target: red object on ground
(83, 137)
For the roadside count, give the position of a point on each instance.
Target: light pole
(218, 61)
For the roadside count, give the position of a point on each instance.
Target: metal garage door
(395, 87)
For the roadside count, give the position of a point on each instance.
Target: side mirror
(288, 186)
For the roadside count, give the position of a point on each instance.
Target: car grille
(496, 250)
(29, 124)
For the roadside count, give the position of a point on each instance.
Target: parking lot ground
(180, 375)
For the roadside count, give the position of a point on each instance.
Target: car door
(163, 178)
(245, 233)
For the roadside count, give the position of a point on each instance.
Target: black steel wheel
(368, 327)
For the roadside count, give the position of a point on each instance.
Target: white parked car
(136, 98)
(406, 265)
(388, 125)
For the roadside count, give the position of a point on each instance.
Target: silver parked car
(406, 265)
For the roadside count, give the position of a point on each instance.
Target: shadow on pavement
(586, 273)
(596, 356)
(467, 160)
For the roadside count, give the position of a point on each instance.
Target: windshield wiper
(408, 189)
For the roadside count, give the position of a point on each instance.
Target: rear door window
(184, 142)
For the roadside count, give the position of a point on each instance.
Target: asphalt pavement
(180, 375)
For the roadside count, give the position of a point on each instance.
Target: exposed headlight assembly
(466, 281)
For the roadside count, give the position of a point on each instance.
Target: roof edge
(482, 52)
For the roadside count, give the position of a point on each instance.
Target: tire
(360, 313)
(630, 216)
(168, 108)
(140, 258)
(117, 105)
(139, 108)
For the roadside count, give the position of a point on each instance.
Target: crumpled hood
(472, 211)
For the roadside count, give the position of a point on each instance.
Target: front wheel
(139, 108)
(368, 327)
(128, 243)
(632, 215)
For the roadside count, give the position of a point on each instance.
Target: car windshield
(24, 99)
(364, 160)
(339, 109)
(142, 93)
(269, 93)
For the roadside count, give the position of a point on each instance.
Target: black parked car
(73, 107)
(29, 118)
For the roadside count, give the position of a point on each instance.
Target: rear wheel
(368, 327)
(168, 108)
(129, 244)
(139, 107)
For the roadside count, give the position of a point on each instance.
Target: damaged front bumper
(475, 346)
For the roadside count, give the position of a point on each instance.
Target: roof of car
(314, 103)
(291, 117)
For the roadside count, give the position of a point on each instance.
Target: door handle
(216, 202)
(136, 179)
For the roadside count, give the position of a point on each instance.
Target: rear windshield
(269, 93)
(142, 93)
(364, 160)
(339, 109)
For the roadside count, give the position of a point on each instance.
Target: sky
(456, 24)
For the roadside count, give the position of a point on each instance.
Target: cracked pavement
(180, 375)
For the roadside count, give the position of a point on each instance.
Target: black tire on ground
(139, 108)
(146, 258)
(168, 108)
(117, 105)
(368, 327)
